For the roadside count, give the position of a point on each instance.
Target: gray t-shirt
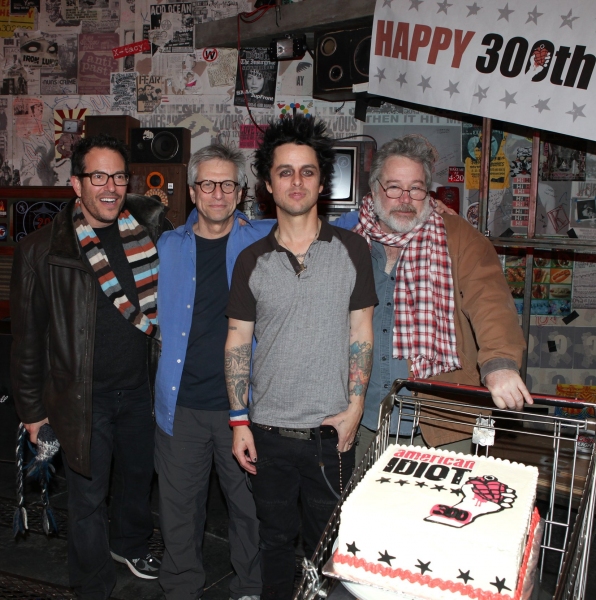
(302, 323)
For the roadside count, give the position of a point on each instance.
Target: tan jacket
(486, 323)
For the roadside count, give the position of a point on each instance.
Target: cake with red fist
(436, 524)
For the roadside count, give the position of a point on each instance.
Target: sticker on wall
(69, 127)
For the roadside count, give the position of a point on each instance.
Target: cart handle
(434, 388)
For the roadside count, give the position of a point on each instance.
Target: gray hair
(412, 146)
(217, 152)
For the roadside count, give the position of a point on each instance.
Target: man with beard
(445, 312)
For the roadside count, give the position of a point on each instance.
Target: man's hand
(243, 448)
(507, 389)
(346, 424)
(33, 429)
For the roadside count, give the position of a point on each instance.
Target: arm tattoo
(237, 370)
(360, 367)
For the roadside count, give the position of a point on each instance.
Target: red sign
(129, 49)
(209, 54)
(456, 175)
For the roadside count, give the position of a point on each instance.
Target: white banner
(523, 61)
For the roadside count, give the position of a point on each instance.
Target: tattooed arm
(237, 371)
(361, 344)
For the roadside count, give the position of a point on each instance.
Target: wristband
(239, 417)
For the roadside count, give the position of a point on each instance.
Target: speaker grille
(5, 269)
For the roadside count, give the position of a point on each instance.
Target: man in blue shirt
(191, 403)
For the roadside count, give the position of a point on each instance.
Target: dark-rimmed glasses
(100, 178)
(227, 187)
(394, 192)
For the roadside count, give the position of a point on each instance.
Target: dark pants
(288, 469)
(123, 428)
(183, 462)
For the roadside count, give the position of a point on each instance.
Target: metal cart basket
(559, 446)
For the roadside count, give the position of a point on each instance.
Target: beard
(401, 218)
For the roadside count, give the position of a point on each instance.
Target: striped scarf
(142, 257)
(424, 328)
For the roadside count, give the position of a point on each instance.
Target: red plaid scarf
(424, 328)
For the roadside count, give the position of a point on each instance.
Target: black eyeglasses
(227, 187)
(100, 178)
(394, 192)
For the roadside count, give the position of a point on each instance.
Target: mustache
(403, 208)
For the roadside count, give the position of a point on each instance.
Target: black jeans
(288, 469)
(123, 428)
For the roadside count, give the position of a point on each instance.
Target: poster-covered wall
(63, 60)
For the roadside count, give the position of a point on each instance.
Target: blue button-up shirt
(176, 296)
(385, 369)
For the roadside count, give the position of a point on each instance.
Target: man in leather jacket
(84, 355)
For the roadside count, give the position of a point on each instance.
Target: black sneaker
(145, 568)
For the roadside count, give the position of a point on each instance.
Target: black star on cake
(439, 488)
(403, 482)
(465, 576)
(386, 558)
(383, 480)
(458, 492)
(421, 484)
(352, 548)
(500, 584)
(424, 567)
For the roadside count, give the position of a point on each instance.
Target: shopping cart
(557, 445)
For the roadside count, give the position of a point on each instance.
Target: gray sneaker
(144, 568)
(248, 598)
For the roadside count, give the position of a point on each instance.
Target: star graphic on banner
(452, 89)
(443, 6)
(401, 79)
(577, 111)
(387, 3)
(421, 484)
(458, 492)
(481, 94)
(383, 480)
(533, 16)
(402, 482)
(568, 19)
(542, 105)
(424, 567)
(424, 83)
(380, 74)
(439, 488)
(500, 584)
(505, 12)
(509, 99)
(465, 576)
(415, 4)
(385, 557)
(353, 549)
(473, 8)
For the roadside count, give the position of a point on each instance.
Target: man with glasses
(85, 346)
(445, 312)
(192, 405)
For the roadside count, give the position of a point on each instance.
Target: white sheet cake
(437, 524)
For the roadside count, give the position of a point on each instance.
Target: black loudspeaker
(341, 60)
(166, 183)
(118, 126)
(160, 145)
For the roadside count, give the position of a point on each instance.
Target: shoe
(144, 568)
(248, 598)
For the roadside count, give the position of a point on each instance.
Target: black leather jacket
(53, 296)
